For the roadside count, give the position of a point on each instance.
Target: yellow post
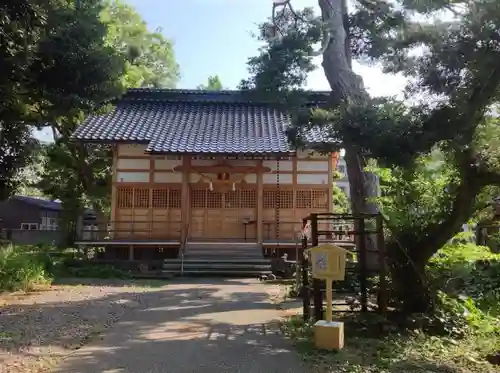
(328, 263)
(329, 299)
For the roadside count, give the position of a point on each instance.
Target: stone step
(223, 249)
(201, 256)
(228, 266)
(207, 272)
(224, 245)
(225, 260)
(218, 266)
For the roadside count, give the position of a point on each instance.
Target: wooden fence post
(305, 290)
(361, 236)
(382, 293)
(317, 295)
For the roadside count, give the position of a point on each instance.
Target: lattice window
(141, 198)
(199, 198)
(214, 200)
(160, 198)
(232, 200)
(269, 199)
(125, 198)
(175, 198)
(303, 199)
(248, 199)
(319, 199)
(286, 199)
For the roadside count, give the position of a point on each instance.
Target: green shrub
(23, 269)
(97, 271)
(466, 278)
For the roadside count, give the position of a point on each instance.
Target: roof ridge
(204, 91)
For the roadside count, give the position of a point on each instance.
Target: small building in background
(30, 220)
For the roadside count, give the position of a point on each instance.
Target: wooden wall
(154, 201)
(148, 195)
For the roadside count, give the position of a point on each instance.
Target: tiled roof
(193, 121)
(45, 204)
(42, 203)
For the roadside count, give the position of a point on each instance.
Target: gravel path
(37, 329)
(197, 326)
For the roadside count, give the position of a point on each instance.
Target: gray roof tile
(189, 121)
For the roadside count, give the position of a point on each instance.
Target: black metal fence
(365, 286)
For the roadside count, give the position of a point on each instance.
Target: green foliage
(150, 56)
(96, 271)
(16, 148)
(413, 198)
(367, 350)
(470, 271)
(283, 65)
(22, 269)
(213, 84)
(21, 24)
(339, 200)
(80, 174)
(467, 278)
(453, 74)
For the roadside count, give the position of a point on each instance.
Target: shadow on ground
(198, 325)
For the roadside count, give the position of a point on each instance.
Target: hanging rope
(278, 201)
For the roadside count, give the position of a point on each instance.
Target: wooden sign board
(328, 262)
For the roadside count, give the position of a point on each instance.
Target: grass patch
(23, 270)
(367, 350)
(102, 271)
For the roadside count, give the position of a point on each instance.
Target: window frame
(29, 226)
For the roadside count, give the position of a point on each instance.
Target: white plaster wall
(284, 165)
(131, 164)
(131, 149)
(194, 178)
(272, 178)
(312, 179)
(204, 162)
(167, 177)
(251, 178)
(312, 166)
(166, 164)
(242, 162)
(132, 177)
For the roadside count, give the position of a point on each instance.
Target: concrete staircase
(243, 259)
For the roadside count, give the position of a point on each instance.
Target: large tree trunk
(348, 87)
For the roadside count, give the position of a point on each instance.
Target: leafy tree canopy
(452, 64)
(151, 59)
(213, 84)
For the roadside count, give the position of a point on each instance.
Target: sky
(214, 37)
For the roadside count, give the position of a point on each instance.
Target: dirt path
(197, 326)
(37, 329)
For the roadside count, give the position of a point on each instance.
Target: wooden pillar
(131, 252)
(294, 189)
(114, 194)
(151, 223)
(329, 199)
(186, 202)
(260, 202)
